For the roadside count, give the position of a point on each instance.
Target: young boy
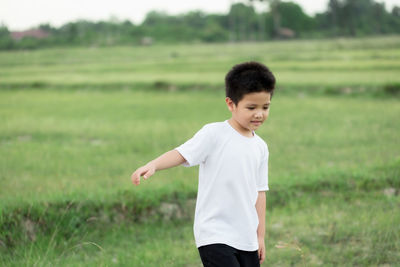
(229, 223)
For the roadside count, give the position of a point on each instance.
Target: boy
(229, 223)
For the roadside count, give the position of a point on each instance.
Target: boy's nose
(258, 115)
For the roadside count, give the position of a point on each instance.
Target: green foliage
(293, 17)
(392, 89)
(6, 42)
(241, 23)
(358, 18)
(213, 32)
(4, 32)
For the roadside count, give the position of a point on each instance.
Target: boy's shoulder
(214, 129)
(214, 125)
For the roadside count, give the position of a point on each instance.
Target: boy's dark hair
(248, 77)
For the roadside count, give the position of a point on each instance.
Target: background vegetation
(346, 18)
(76, 122)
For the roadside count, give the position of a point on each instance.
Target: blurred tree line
(242, 23)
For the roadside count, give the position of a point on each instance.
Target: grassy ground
(358, 63)
(75, 123)
(314, 229)
(85, 143)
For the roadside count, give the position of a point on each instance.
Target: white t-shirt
(233, 168)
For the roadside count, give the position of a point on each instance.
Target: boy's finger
(135, 178)
(136, 181)
(147, 175)
(262, 256)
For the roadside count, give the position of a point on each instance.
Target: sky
(23, 14)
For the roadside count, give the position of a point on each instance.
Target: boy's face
(250, 112)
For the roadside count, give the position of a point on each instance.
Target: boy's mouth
(256, 122)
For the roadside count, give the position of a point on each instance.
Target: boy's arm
(260, 207)
(167, 160)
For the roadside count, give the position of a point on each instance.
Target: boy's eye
(251, 108)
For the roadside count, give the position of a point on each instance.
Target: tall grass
(75, 123)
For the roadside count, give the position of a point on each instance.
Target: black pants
(221, 255)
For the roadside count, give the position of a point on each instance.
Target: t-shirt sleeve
(196, 149)
(262, 182)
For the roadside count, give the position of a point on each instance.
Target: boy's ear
(230, 104)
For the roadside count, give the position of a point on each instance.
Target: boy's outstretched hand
(146, 171)
(261, 250)
(167, 160)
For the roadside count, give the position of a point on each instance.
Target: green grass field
(75, 123)
(358, 62)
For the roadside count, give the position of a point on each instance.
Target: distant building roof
(286, 33)
(38, 33)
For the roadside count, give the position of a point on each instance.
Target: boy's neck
(243, 131)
